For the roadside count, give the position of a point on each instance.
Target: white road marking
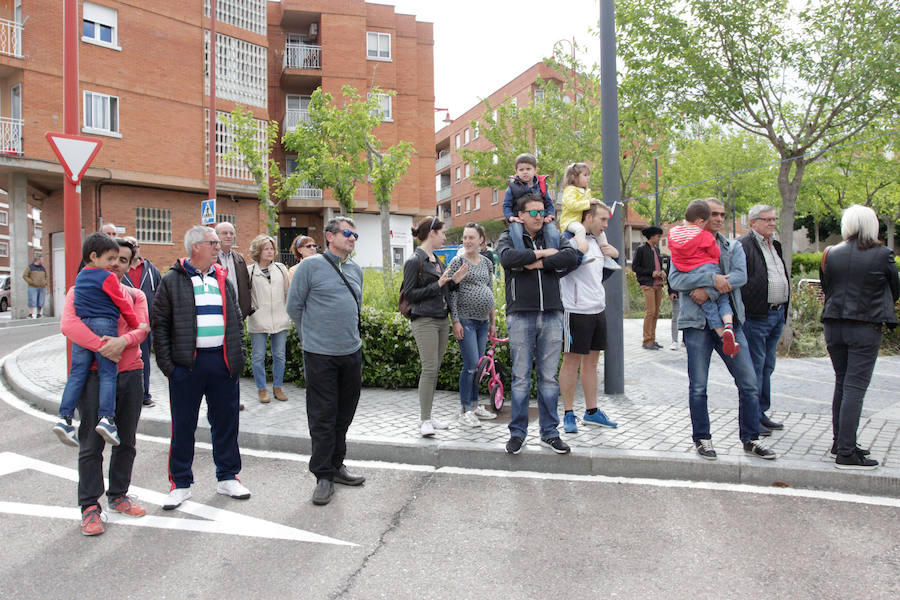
(216, 520)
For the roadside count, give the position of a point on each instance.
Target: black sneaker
(764, 431)
(756, 448)
(556, 444)
(856, 461)
(149, 402)
(833, 452)
(705, 449)
(514, 445)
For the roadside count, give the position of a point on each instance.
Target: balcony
(11, 136)
(10, 38)
(293, 118)
(302, 56)
(443, 162)
(443, 193)
(307, 193)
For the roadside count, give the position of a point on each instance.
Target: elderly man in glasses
(324, 302)
(198, 336)
(766, 295)
(534, 319)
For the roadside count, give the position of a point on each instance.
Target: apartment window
(240, 70)
(457, 141)
(36, 235)
(457, 175)
(99, 26)
(246, 14)
(538, 95)
(496, 114)
(458, 208)
(514, 102)
(468, 205)
(233, 168)
(477, 201)
(475, 131)
(378, 46)
(153, 225)
(468, 170)
(495, 197)
(4, 249)
(466, 136)
(386, 108)
(4, 217)
(101, 114)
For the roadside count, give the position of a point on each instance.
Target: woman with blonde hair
(302, 247)
(859, 279)
(268, 319)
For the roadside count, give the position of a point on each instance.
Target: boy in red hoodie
(695, 250)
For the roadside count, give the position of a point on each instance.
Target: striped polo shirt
(210, 318)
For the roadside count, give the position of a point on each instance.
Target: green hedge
(808, 264)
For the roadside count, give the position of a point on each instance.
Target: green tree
(804, 80)
(385, 170)
(332, 146)
(273, 187)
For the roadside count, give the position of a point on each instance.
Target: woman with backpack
(426, 287)
(268, 319)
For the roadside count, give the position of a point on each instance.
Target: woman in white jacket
(268, 318)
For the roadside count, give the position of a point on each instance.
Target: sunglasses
(535, 213)
(433, 219)
(308, 246)
(347, 233)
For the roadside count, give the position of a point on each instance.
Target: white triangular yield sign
(74, 152)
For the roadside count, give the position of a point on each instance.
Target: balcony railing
(307, 193)
(302, 56)
(443, 193)
(10, 38)
(11, 135)
(293, 117)
(442, 162)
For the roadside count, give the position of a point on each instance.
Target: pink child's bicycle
(487, 366)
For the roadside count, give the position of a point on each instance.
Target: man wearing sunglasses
(534, 320)
(324, 303)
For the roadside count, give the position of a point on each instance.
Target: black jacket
(643, 264)
(428, 299)
(755, 293)
(175, 322)
(150, 279)
(533, 289)
(860, 285)
(243, 283)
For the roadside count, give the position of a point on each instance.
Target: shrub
(634, 309)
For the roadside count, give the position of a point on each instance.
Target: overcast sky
(480, 45)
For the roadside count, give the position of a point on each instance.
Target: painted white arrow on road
(216, 520)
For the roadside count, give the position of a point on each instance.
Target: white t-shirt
(582, 290)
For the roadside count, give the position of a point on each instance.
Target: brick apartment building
(144, 91)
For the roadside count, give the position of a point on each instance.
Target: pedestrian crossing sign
(208, 211)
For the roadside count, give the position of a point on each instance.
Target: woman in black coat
(859, 279)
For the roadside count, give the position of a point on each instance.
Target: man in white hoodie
(584, 321)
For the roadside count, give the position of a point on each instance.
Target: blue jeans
(535, 338)
(471, 347)
(551, 235)
(82, 359)
(36, 297)
(258, 357)
(700, 343)
(762, 342)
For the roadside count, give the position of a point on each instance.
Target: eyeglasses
(767, 219)
(347, 233)
(212, 243)
(535, 213)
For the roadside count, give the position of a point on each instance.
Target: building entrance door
(286, 235)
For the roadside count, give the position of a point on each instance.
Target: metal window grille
(246, 14)
(234, 168)
(153, 225)
(240, 70)
(226, 218)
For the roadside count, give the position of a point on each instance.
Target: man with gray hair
(326, 291)
(766, 296)
(198, 337)
(235, 268)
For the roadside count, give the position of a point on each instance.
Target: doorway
(286, 235)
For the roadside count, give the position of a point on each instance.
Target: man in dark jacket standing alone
(198, 334)
(534, 319)
(647, 266)
(766, 295)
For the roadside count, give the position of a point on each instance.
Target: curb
(884, 481)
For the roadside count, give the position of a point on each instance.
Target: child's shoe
(611, 264)
(107, 430)
(66, 433)
(729, 345)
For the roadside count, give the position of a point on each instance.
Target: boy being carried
(695, 250)
(527, 182)
(99, 300)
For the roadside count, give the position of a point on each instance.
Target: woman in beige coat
(268, 319)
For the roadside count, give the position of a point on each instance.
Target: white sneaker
(427, 429)
(484, 414)
(233, 488)
(438, 425)
(611, 264)
(469, 419)
(176, 497)
(674, 346)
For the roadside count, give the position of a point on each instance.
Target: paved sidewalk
(653, 438)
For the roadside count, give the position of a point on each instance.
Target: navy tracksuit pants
(187, 387)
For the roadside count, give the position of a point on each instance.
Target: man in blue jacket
(700, 341)
(534, 320)
(143, 275)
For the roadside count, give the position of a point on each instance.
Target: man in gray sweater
(322, 305)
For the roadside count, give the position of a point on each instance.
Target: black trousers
(853, 347)
(129, 398)
(333, 384)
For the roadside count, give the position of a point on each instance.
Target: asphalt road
(14, 337)
(419, 533)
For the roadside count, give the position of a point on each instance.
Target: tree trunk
(788, 186)
(890, 233)
(385, 215)
(818, 246)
